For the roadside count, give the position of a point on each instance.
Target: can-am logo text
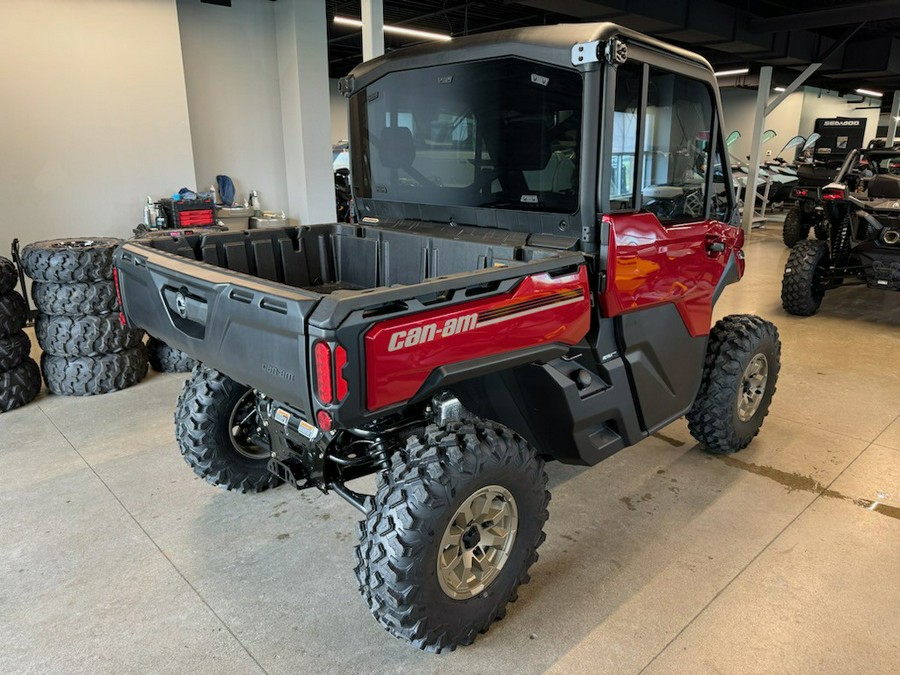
(431, 331)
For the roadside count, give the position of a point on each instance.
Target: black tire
(90, 335)
(90, 375)
(166, 359)
(13, 313)
(736, 343)
(203, 426)
(8, 276)
(805, 278)
(14, 349)
(400, 538)
(98, 297)
(65, 261)
(794, 228)
(19, 385)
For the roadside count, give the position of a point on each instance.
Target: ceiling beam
(882, 10)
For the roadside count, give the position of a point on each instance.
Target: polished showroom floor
(783, 558)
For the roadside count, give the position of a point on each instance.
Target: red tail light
(322, 356)
(833, 194)
(340, 360)
(799, 192)
(119, 296)
(324, 420)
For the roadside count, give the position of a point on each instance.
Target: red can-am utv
(546, 220)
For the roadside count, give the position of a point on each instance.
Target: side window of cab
(678, 130)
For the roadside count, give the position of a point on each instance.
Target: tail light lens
(324, 420)
(833, 194)
(340, 360)
(322, 356)
(119, 296)
(799, 192)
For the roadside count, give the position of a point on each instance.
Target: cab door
(667, 247)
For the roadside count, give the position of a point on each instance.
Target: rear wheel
(166, 359)
(794, 228)
(805, 278)
(214, 421)
(739, 376)
(452, 531)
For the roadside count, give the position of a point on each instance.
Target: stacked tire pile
(20, 378)
(86, 348)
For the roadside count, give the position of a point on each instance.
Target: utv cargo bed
(204, 293)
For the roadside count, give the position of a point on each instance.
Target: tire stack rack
(20, 377)
(86, 348)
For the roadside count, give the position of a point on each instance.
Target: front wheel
(739, 376)
(214, 422)
(452, 531)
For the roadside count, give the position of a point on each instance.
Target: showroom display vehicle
(863, 245)
(525, 283)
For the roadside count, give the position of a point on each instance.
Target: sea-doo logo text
(431, 331)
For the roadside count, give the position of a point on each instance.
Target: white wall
(93, 116)
(231, 74)
(797, 115)
(739, 106)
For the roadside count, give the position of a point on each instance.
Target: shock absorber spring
(378, 452)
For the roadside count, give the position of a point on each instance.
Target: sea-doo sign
(839, 135)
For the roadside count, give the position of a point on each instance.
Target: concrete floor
(663, 559)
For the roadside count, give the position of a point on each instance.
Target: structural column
(301, 41)
(759, 120)
(372, 28)
(892, 121)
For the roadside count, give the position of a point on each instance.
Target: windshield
(493, 134)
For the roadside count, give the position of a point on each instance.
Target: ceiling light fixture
(736, 71)
(397, 30)
(780, 89)
(869, 92)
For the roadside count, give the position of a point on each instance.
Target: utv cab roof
(566, 45)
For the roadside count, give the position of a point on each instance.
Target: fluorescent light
(780, 89)
(869, 92)
(397, 30)
(736, 71)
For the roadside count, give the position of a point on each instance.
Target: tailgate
(250, 329)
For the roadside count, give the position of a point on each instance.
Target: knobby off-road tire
(400, 540)
(794, 228)
(739, 377)
(75, 299)
(13, 313)
(65, 261)
(90, 335)
(19, 385)
(90, 375)
(212, 440)
(14, 349)
(166, 359)
(804, 282)
(8, 276)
